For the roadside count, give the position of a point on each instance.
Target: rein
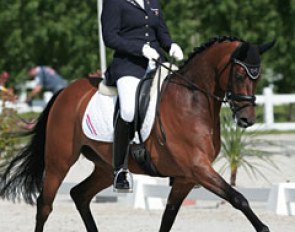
(191, 85)
(230, 97)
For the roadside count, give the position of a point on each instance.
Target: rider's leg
(124, 131)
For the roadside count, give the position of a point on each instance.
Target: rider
(136, 31)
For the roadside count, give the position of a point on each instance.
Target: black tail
(23, 177)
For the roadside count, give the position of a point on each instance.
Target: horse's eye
(239, 77)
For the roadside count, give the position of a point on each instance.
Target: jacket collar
(135, 4)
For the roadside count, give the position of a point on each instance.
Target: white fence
(268, 99)
(21, 106)
(154, 195)
(150, 194)
(282, 199)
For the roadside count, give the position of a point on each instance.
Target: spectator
(46, 78)
(7, 92)
(3, 79)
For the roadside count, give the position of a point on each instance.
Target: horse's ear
(243, 51)
(264, 47)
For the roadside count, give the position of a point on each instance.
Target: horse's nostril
(245, 122)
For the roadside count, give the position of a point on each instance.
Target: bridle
(253, 72)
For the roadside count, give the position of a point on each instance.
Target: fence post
(281, 199)
(140, 200)
(268, 105)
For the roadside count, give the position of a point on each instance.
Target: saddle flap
(147, 89)
(142, 100)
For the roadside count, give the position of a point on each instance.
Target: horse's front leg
(180, 189)
(212, 181)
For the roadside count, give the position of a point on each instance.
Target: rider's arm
(111, 24)
(34, 92)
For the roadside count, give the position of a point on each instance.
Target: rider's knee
(127, 113)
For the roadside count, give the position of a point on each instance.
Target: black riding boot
(122, 135)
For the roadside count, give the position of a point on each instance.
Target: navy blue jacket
(126, 27)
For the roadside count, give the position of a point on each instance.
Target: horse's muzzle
(245, 118)
(245, 122)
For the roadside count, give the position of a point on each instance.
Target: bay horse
(223, 69)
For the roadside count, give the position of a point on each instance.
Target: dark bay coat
(126, 27)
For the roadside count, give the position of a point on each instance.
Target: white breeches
(127, 86)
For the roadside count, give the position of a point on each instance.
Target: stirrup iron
(129, 178)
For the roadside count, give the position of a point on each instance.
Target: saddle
(138, 151)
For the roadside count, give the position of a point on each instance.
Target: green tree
(62, 34)
(194, 22)
(284, 56)
(183, 23)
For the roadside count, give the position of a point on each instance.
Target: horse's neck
(185, 104)
(207, 70)
(192, 112)
(202, 72)
(203, 75)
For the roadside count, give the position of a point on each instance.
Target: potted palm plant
(243, 149)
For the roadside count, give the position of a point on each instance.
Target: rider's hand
(149, 52)
(151, 65)
(176, 52)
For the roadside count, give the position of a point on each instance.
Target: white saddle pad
(97, 122)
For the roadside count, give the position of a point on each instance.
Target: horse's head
(245, 71)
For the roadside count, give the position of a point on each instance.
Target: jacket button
(146, 34)
(146, 17)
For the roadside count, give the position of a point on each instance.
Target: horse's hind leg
(57, 166)
(82, 194)
(216, 184)
(178, 193)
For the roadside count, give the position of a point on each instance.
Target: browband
(252, 70)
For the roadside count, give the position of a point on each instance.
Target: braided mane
(204, 46)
